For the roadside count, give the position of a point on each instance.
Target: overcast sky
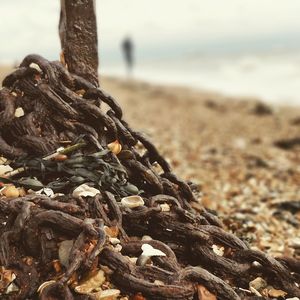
(28, 26)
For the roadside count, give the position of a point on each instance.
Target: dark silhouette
(127, 47)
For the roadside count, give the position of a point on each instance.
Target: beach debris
(4, 169)
(276, 293)
(7, 277)
(12, 288)
(262, 109)
(165, 207)
(85, 191)
(115, 147)
(112, 231)
(109, 294)
(31, 183)
(132, 201)
(257, 285)
(114, 241)
(10, 191)
(19, 112)
(45, 191)
(64, 252)
(148, 252)
(92, 283)
(120, 208)
(36, 67)
(45, 284)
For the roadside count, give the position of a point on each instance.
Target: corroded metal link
(19, 73)
(185, 235)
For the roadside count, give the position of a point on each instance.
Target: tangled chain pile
(63, 109)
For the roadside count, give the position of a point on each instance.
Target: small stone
(19, 112)
(276, 293)
(258, 284)
(295, 243)
(219, 250)
(165, 207)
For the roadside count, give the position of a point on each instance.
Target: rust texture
(78, 35)
(59, 107)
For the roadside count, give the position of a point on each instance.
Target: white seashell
(45, 191)
(45, 284)
(114, 241)
(165, 207)
(19, 112)
(12, 288)
(132, 201)
(64, 252)
(36, 67)
(149, 251)
(93, 283)
(85, 191)
(4, 169)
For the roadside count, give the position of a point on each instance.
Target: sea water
(272, 77)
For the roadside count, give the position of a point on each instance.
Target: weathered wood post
(78, 36)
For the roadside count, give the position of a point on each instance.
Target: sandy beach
(226, 146)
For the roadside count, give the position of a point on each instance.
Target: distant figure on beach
(127, 47)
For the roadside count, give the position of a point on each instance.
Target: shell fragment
(85, 191)
(132, 201)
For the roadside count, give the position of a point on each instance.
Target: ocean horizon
(273, 77)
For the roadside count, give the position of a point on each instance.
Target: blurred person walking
(127, 47)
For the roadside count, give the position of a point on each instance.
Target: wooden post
(78, 36)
